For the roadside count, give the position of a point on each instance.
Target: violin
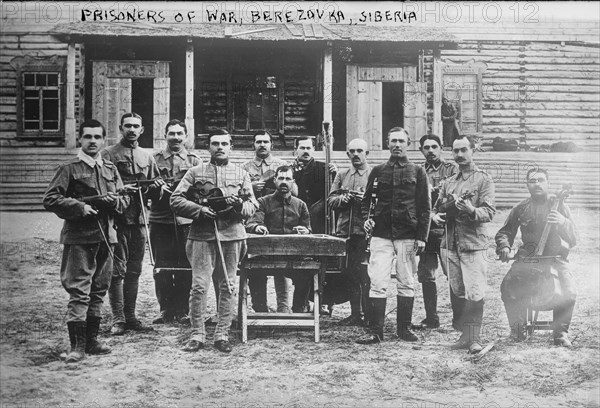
(449, 205)
(205, 193)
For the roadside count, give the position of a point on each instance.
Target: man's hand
(504, 254)
(369, 225)
(301, 230)
(439, 218)
(110, 198)
(207, 212)
(346, 198)
(556, 218)
(88, 210)
(164, 191)
(258, 186)
(332, 168)
(261, 229)
(419, 246)
(233, 200)
(465, 206)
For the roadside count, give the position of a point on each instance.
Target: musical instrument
(205, 193)
(542, 283)
(327, 145)
(449, 205)
(372, 205)
(355, 195)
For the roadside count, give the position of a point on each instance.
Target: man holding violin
(262, 174)
(466, 204)
(137, 169)
(84, 192)
(345, 198)
(168, 233)
(218, 197)
(533, 216)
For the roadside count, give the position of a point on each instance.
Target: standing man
(88, 235)
(214, 231)
(449, 122)
(466, 203)
(168, 233)
(310, 176)
(399, 229)
(262, 174)
(347, 192)
(281, 213)
(133, 163)
(518, 288)
(437, 170)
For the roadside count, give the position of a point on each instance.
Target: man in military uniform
(399, 228)
(466, 204)
(345, 198)
(437, 170)
(134, 164)
(88, 235)
(168, 233)
(262, 174)
(518, 287)
(210, 226)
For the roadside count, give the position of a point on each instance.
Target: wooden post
(70, 131)
(327, 84)
(438, 89)
(189, 92)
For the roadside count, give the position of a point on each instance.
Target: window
(41, 96)
(256, 104)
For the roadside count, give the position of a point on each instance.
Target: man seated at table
(282, 213)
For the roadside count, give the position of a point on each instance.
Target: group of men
(397, 216)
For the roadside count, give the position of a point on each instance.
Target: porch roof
(437, 36)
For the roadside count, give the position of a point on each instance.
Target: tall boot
(77, 337)
(404, 311)
(517, 320)
(562, 320)
(162, 287)
(377, 321)
(458, 307)
(92, 345)
(258, 292)
(464, 319)
(432, 320)
(130, 292)
(475, 326)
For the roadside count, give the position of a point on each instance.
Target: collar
(281, 198)
(125, 143)
(225, 163)
(166, 153)
(258, 161)
(89, 160)
(361, 172)
(433, 166)
(472, 168)
(304, 166)
(400, 162)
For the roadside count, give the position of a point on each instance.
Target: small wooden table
(276, 254)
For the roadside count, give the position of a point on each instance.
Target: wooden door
(415, 111)
(112, 94)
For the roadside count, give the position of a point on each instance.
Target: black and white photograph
(309, 204)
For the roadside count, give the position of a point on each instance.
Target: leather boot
(130, 292)
(431, 321)
(377, 320)
(464, 320)
(258, 292)
(92, 345)
(162, 287)
(77, 337)
(403, 318)
(458, 307)
(562, 320)
(115, 297)
(517, 320)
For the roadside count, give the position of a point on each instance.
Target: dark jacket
(279, 214)
(403, 209)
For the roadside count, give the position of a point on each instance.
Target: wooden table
(276, 254)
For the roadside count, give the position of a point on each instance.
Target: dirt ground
(284, 367)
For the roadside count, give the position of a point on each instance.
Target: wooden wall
(20, 45)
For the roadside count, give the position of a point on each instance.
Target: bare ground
(284, 367)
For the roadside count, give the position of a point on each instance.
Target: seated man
(518, 288)
(282, 213)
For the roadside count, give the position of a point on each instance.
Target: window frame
(39, 67)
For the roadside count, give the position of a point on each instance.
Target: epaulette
(108, 163)
(193, 155)
(72, 160)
